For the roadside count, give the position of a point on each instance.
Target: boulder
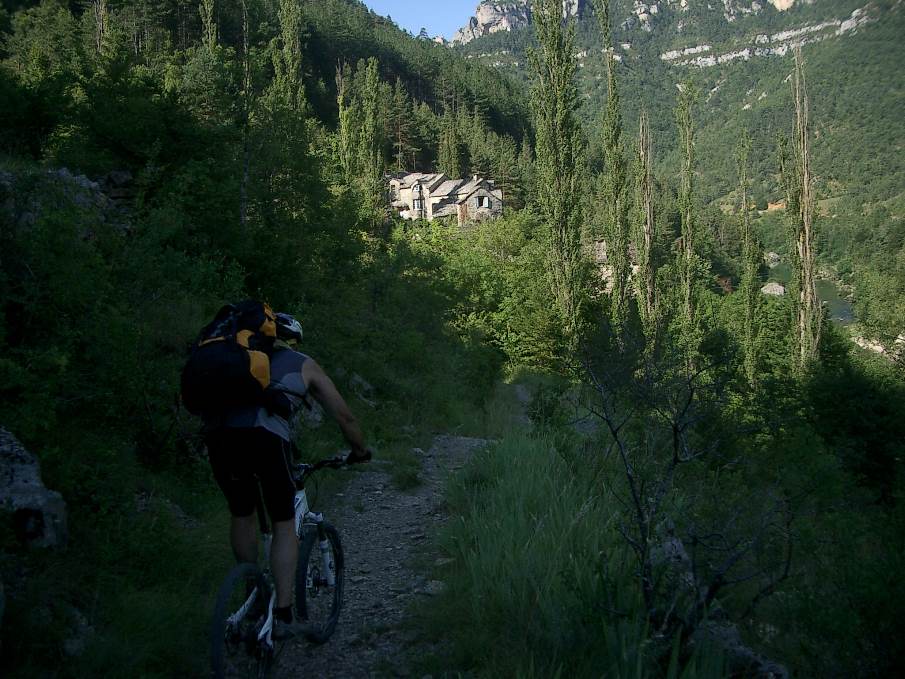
(39, 514)
(773, 289)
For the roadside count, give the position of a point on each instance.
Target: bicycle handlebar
(300, 472)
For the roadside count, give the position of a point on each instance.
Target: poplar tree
(208, 24)
(285, 165)
(687, 264)
(554, 101)
(751, 254)
(345, 144)
(370, 157)
(644, 232)
(246, 116)
(614, 188)
(287, 61)
(800, 207)
(101, 18)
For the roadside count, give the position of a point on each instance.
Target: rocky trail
(384, 532)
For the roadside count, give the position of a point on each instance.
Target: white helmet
(288, 328)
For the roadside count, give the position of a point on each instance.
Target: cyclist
(252, 444)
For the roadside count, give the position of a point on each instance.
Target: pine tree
(504, 169)
(401, 122)
(751, 254)
(479, 148)
(559, 155)
(614, 193)
(525, 181)
(645, 233)
(800, 203)
(449, 160)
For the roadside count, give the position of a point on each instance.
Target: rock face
(39, 515)
(773, 289)
(779, 43)
(493, 17)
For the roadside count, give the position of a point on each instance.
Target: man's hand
(359, 456)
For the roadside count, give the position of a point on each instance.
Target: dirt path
(382, 530)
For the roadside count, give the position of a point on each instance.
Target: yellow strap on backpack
(260, 367)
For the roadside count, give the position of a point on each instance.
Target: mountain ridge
(493, 16)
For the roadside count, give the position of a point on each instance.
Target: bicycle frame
(303, 516)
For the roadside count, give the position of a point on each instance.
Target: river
(840, 309)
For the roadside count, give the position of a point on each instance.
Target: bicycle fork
(324, 545)
(303, 514)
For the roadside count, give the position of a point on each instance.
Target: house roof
(432, 181)
(447, 188)
(428, 180)
(410, 179)
(445, 209)
(464, 191)
(441, 186)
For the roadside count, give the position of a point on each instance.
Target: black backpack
(229, 364)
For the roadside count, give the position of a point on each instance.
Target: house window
(418, 204)
(484, 201)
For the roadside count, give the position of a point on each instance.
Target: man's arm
(321, 387)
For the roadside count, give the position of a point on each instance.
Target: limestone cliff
(493, 17)
(500, 15)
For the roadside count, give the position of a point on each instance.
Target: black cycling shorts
(240, 458)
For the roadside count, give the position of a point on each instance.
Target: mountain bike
(241, 633)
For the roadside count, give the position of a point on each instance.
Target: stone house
(417, 195)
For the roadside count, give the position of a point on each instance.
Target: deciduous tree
(559, 155)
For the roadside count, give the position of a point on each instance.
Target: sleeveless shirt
(286, 376)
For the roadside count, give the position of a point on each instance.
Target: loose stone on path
(380, 546)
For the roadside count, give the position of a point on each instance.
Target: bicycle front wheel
(242, 601)
(319, 581)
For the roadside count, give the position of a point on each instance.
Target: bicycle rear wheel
(235, 651)
(316, 600)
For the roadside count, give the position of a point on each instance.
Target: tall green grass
(539, 584)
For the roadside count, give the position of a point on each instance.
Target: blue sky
(439, 17)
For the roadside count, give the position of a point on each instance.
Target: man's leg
(284, 554)
(243, 534)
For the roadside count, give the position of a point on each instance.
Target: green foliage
(499, 269)
(540, 584)
(855, 89)
(229, 190)
(241, 156)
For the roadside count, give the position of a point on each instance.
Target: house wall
(468, 210)
(476, 212)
